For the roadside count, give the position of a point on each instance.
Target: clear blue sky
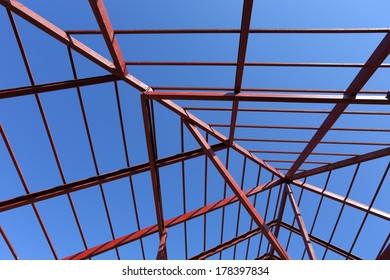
(49, 62)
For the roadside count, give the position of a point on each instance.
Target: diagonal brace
(301, 224)
(237, 191)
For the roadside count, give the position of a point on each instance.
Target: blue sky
(49, 61)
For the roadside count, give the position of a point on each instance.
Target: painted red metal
(343, 163)
(162, 248)
(9, 245)
(236, 31)
(238, 192)
(105, 26)
(35, 89)
(301, 224)
(154, 173)
(264, 97)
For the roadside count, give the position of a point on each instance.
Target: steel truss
(290, 186)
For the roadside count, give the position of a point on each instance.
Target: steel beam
(213, 132)
(339, 198)
(12, 250)
(154, 172)
(237, 191)
(169, 223)
(301, 224)
(252, 64)
(343, 163)
(372, 64)
(35, 89)
(385, 254)
(99, 179)
(269, 97)
(69, 41)
(162, 252)
(237, 31)
(105, 26)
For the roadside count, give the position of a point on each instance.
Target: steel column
(154, 173)
(162, 251)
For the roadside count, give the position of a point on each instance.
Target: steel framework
(285, 201)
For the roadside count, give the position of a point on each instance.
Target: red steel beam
(237, 191)
(242, 46)
(169, 223)
(154, 172)
(297, 153)
(162, 252)
(343, 163)
(294, 127)
(252, 64)
(105, 26)
(297, 111)
(307, 141)
(295, 90)
(339, 198)
(237, 31)
(99, 179)
(268, 97)
(213, 132)
(12, 250)
(69, 41)
(34, 89)
(372, 64)
(279, 218)
(301, 224)
(385, 254)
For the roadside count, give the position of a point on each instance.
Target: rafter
(21, 91)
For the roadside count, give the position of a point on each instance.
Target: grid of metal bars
(279, 193)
